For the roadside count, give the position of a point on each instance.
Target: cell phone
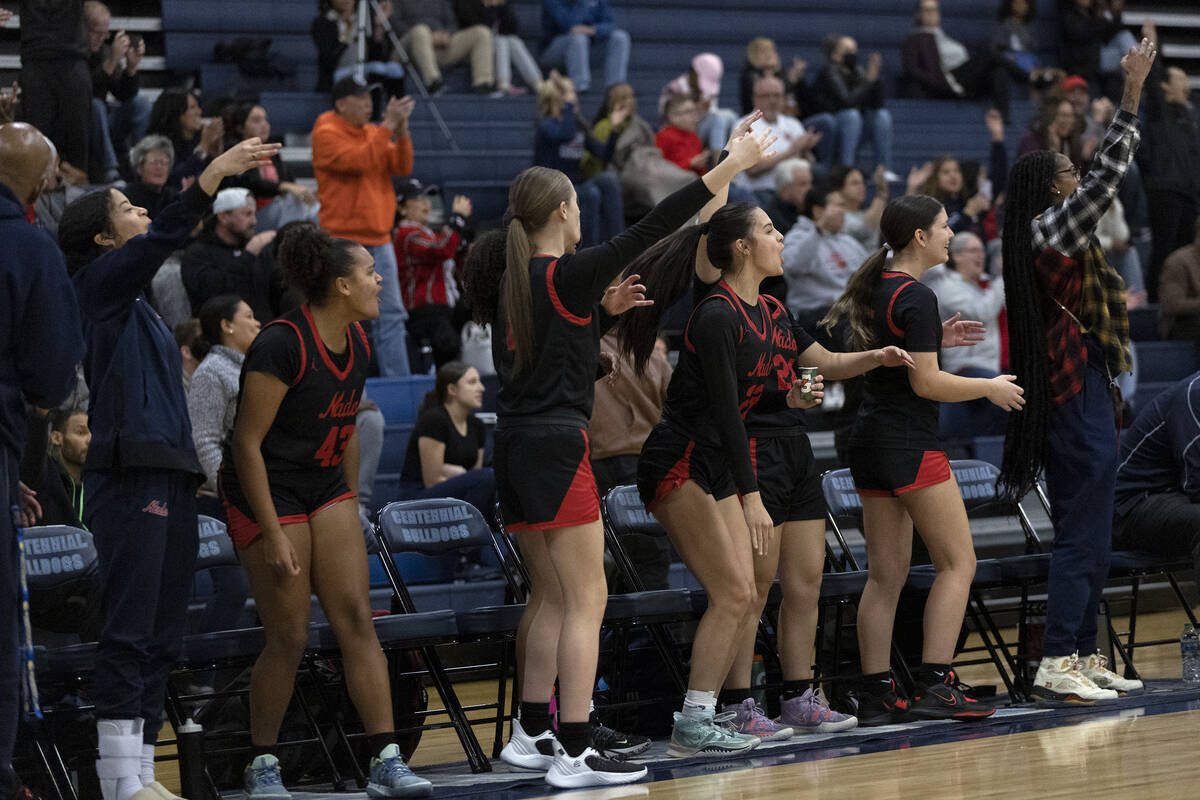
(135, 40)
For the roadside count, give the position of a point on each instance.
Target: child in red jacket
(678, 140)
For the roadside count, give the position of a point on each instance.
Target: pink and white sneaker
(810, 713)
(749, 719)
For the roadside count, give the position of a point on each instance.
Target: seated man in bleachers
(794, 140)
(1157, 500)
(429, 32)
(793, 181)
(574, 29)
(59, 487)
(114, 68)
(819, 258)
(224, 259)
(335, 33)
(1179, 292)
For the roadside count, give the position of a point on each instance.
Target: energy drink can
(807, 376)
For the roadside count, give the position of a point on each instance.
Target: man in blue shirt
(572, 30)
(1157, 501)
(40, 342)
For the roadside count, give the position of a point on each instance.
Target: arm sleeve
(581, 279)
(194, 164)
(427, 247)
(329, 49)
(916, 313)
(800, 246)
(32, 469)
(125, 86)
(255, 183)
(998, 168)
(559, 14)
(46, 363)
(1186, 436)
(558, 129)
(601, 150)
(432, 425)
(1068, 226)
(353, 157)
(602, 19)
(713, 332)
(206, 403)
(277, 352)
(834, 87)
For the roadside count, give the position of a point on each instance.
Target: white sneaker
(1095, 668)
(1060, 682)
(589, 768)
(534, 753)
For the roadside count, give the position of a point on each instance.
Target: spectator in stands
(354, 163)
(1179, 306)
(278, 198)
(945, 183)
(1075, 89)
(335, 33)
(560, 142)
(1058, 127)
(935, 65)
(426, 263)
(573, 30)
(854, 96)
(56, 87)
(60, 489)
(1157, 501)
(224, 257)
(430, 34)
(1113, 235)
(39, 368)
(819, 257)
(1013, 38)
(1092, 32)
(1170, 164)
(793, 140)
(141, 475)
(861, 223)
(799, 100)
(702, 83)
(113, 131)
(176, 115)
(445, 450)
(793, 181)
(151, 160)
(678, 140)
(762, 61)
(621, 99)
(499, 17)
(968, 291)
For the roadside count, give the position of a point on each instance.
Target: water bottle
(1189, 650)
(189, 738)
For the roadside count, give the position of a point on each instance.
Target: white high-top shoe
(1060, 682)
(120, 763)
(1095, 668)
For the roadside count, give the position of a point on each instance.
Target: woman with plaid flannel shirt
(1069, 338)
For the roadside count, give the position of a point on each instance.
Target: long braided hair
(1025, 444)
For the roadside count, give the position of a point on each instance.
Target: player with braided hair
(1069, 338)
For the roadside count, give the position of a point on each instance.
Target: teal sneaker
(707, 736)
(263, 781)
(391, 777)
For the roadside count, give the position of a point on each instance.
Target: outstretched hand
(236, 160)
(892, 356)
(1136, 63)
(743, 128)
(625, 295)
(748, 150)
(962, 332)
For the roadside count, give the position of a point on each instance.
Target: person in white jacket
(967, 290)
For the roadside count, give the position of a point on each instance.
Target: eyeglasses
(1074, 170)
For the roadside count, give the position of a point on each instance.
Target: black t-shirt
(436, 424)
(905, 314)
(317, 415)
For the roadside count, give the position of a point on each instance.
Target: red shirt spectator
(678, 140)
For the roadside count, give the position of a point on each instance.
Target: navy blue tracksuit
(40, 343)
(142, 472)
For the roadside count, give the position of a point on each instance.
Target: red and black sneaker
(879, 704)
(947, 699)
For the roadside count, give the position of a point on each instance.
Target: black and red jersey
(558, 378)
(317, 415)
(733, 351)
(771, 417)
(904, 313)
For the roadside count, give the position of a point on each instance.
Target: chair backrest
(624, 513)
(215, 548)
(841, 498)
(57, 554)
(432, 527)
(977, 484)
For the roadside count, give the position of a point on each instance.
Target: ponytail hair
(313, 260)
(216, 310)
(448, 373)
(667, 270)
(1027, 434)
(532, 197)
(902, 218)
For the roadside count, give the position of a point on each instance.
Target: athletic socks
(733, 697)
(573, 736)
(535, 718)
(377, 741)
(698, 705)
(930, 674)
(257, 750)
(797, 688)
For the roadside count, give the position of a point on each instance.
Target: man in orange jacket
(354, 162)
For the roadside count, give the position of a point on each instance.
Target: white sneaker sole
(535, 762)
(579, 780)
(423, 789)
(826, 727)
(677, 751)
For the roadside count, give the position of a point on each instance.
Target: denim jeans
(116, 129)
(512, 52)
(574, 50)
(716, 126)
(391, 350)
(842, 133)
(601, 210)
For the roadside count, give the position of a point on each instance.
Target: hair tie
(704, 228)
(887, 247)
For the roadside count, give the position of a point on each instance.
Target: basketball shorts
(544, 477)
(669, 459)
(881, 472)
(297, 495)
(787, 478)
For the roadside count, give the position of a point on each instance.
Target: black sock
(796, 688)
(876, 682)
(732, 697)
(257, 750)
(535, 718)
(574, 736)
(929, 674)
(377, 741)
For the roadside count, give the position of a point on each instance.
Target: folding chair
(435, 527)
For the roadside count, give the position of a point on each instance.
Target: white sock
(699, 705)
(147, 772)
(120, 747)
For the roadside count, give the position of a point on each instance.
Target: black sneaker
(589, 768)
(874, 707)
(948, 700)
(615, 744)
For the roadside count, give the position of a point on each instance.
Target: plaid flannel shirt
(1082, 293)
